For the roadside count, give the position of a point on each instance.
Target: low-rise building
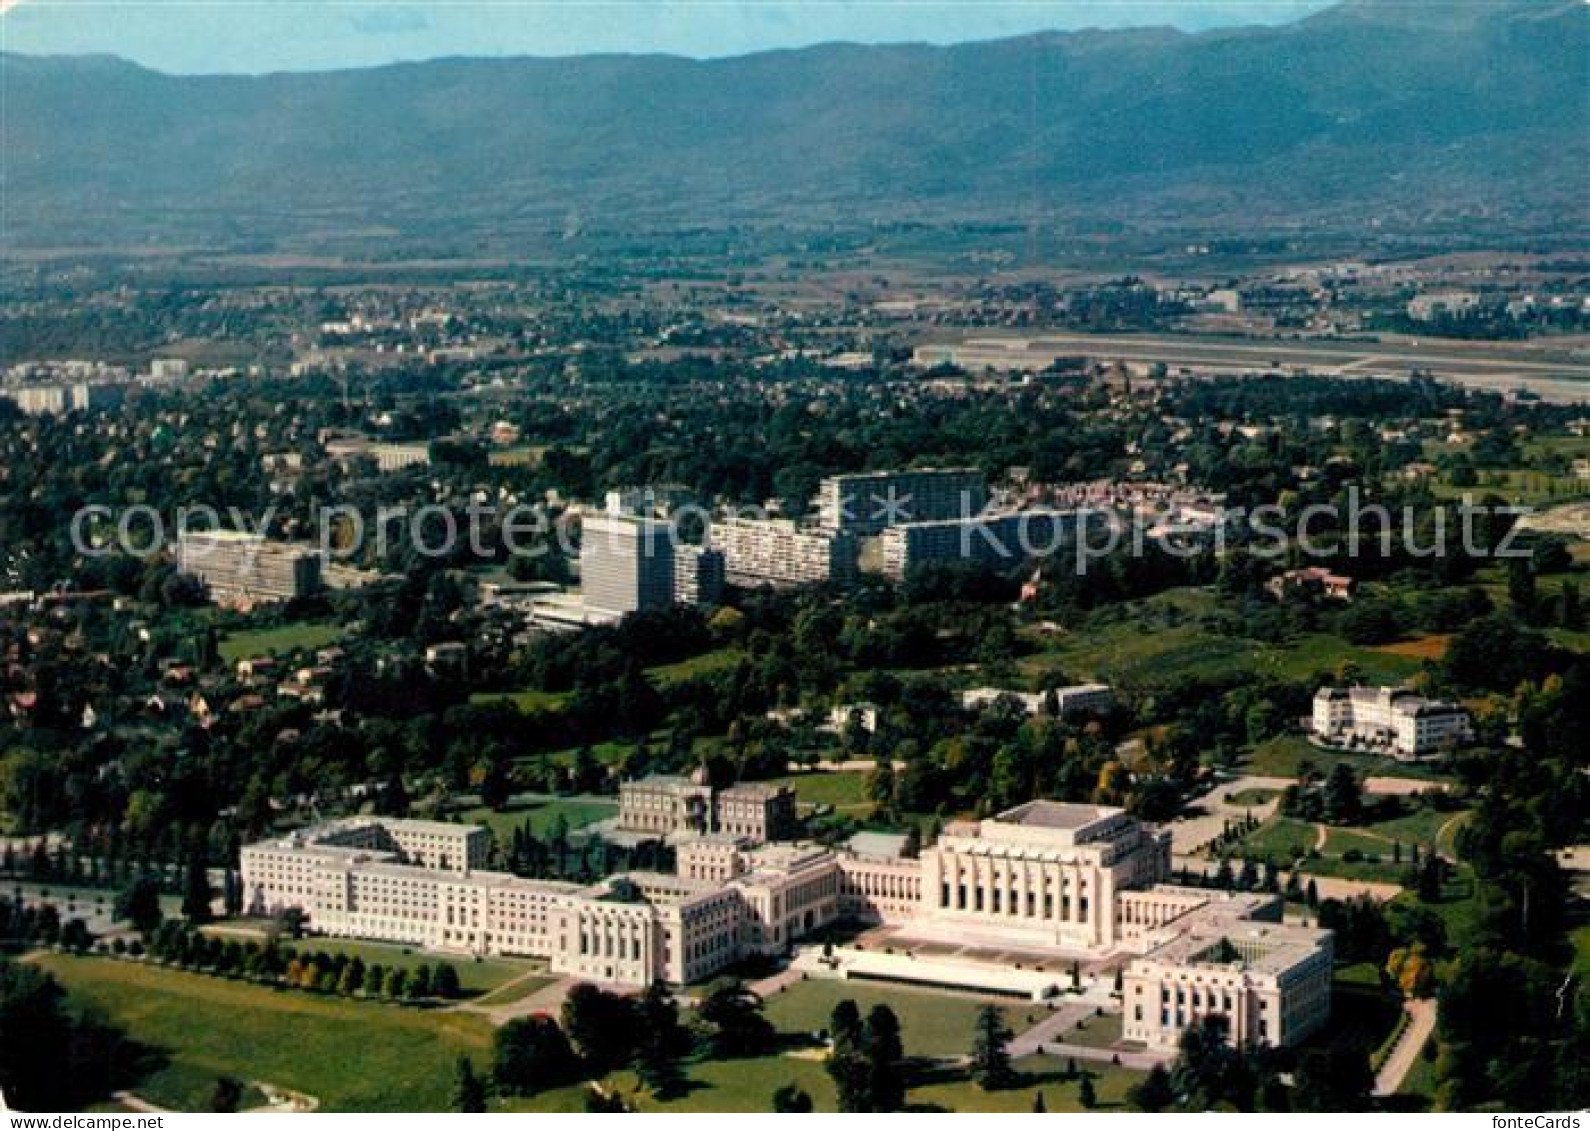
(1396, 720)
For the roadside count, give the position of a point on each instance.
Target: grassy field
(527, 700)
(1164, 638)
(708, 663)
(188, 1087)
(1282, 757)
(476, 977)
(1039, 1074)
(351, 1055)
(931, 1024)
(845, 790)
(541, 815)
(726, 1085)
(305, 636)
(1284, 838)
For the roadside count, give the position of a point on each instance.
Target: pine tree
(991, 1050)
(469, 1091)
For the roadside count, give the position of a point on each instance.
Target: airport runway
(1551, 372)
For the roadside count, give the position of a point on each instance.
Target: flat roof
(1055, 815)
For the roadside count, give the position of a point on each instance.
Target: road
(1421, 1023)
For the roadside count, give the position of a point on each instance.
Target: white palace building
(1045, 880)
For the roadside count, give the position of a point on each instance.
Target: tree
(886, 1060)
(847, 1063)
(1086, 1096)
(1153, 1092)
(1334, 1078)
(531, 1054)
(197, 892)
(1039, 1107)
(444, 983)
(226, 1095)
(139, 904)
(791, 1100)
(1343, 795)
(469, 1091)
(991, 1050)
(601, 1027)
(735, 1013)
(660, 1042)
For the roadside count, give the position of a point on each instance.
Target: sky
(256, 36)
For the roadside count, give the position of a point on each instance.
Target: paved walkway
(1206, 818)
(1054, 1028)
(1421, 1023)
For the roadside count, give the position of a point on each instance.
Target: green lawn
(541, 815)
(306, 636)
(843, 790)
(351, 1055)
(708, 663)
(527, 700)
(1044, 1074)
(723, 1085)
(188, 1087)
(477, 977)
(1164, 638)
(931, 1023)
(1282, 757)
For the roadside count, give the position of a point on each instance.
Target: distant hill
(1368, 111)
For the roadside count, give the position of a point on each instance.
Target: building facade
(1395, 720)
(868, 502)
(778, 552)
(1044, 878)
(626, 563)
(1226, 955)
(666, 805)
(994, 541)
(242, 569)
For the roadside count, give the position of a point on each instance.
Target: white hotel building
(1396, 720)
(1043, 880)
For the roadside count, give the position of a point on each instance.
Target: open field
(1282, 757)
(932, 1024)
(351, 1055)
(1161, 639)
(1046, 1074)
(304, 636)
(541, 815)
(845, 790)
(527, 700)
(708, 663)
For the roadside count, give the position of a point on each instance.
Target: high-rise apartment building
(243, 569)
(626, 563)
(779, 552)
(865, 503)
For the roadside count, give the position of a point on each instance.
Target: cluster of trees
(598, 1032)
(51, 1058)
(179, 945)
(867, 1059)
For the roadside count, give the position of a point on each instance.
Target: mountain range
(1371, 112)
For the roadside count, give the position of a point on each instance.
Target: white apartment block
(778, 552)
(698, 575)
(865, 503)
(1044, 878)
(994, 540)
(1392, 719)
(626, 563)
(241, 569)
